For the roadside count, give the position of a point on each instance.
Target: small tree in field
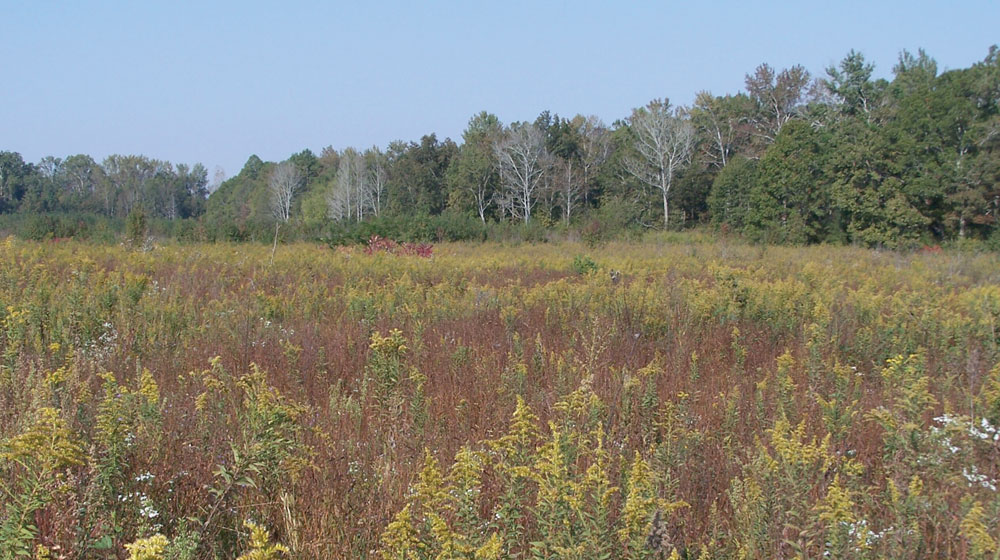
(285, 180)
(136, 228)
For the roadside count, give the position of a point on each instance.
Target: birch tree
(338, 198)
(663, 141)
(80, 174)
(521, 158)
(720, 120)
(284, 181)
(777, 96)
(126, 181)
(359, 187)
(472, 176)
(377, 173)
(568, 184)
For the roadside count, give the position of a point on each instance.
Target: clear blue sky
(214, 82)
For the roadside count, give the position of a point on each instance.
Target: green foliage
(613, 219)
(150, 548)
(136, 228)
(729, 201)
(261, 547)
(472, 177)
(417, 182)
(886, 164)
(868, 190)
(789, 202)
(556, 493)
(385, 363)
(851, 82)
(582, 264)
(266, 450)
(974, 529)
(32, 463)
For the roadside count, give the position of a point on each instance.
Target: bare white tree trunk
(571, 189)
(482, 197)
(521, 157)
(377, 170)
(285, 180)
(663, 141)
(777, 97)
(351, 195)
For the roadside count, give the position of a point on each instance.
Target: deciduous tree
(776, 96)
(377, 172)
(472, 177)
(347, 199)
(723, 123)
(282, 185)
(662, 144)
(521, 158)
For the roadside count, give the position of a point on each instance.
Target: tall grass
(670, 398)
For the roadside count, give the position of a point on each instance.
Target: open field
(709, 400)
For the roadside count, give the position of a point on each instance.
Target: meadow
(680, 397)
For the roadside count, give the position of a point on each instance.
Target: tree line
(792, 158)
(112, 188)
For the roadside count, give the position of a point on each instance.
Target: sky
(214, 82)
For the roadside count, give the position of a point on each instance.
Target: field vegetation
(675, 398)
